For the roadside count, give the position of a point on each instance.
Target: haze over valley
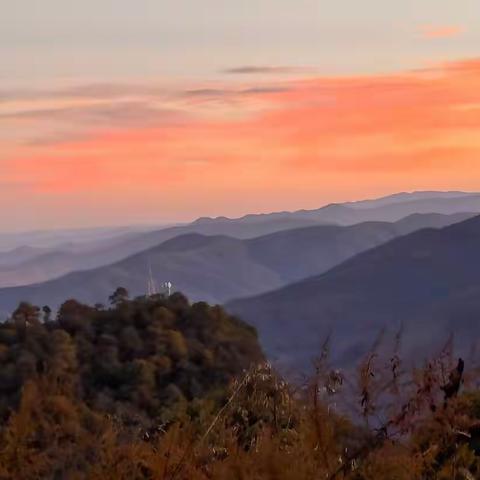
(288, 273)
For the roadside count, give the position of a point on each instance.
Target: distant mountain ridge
(219, 268)
(386, 209)
(53, 263)
(84, 250)
(402, 197)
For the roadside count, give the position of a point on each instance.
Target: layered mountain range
(42, 256)
(218, 268)
(347, 271)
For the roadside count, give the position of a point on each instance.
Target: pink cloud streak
(441, 31)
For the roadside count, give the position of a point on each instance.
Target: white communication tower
(151, 285)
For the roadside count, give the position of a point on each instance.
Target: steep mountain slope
(218, 268)
(428, 282)
(297, 254)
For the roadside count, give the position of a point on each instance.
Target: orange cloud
(442, 31)
(313, 141)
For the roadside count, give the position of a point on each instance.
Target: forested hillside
(140, 360)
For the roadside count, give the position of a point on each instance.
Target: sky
(116, 112)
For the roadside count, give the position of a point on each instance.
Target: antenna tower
(151, 285)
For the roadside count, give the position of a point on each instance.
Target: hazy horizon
(159, 224)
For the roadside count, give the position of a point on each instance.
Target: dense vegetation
(139, 360)
(157, 388)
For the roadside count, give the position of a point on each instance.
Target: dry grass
(402, 429)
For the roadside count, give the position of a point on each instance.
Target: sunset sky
(116, 112)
